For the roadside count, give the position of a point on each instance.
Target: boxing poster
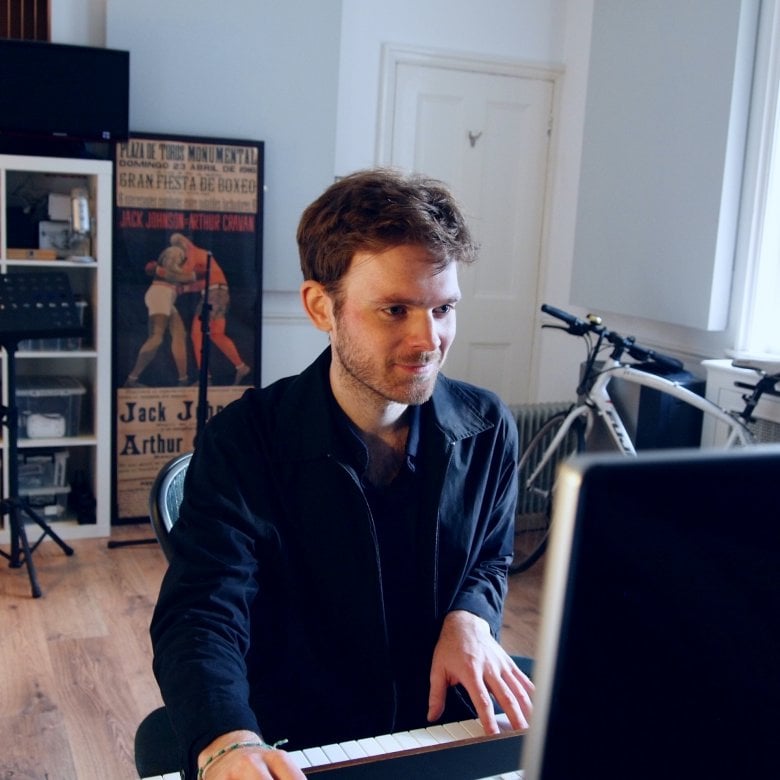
(187, 274)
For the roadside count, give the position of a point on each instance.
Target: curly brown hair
(375, 210)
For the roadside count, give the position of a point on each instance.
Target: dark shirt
(395, 512)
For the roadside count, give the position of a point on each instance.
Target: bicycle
(568, 432)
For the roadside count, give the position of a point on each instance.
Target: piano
(452, 751)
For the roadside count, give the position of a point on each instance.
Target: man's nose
(423, 333)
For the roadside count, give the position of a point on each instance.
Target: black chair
(155, 747)
(165, 499)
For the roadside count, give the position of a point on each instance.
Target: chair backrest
(165, 499)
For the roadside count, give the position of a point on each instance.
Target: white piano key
(299, 758)
(423, 738)
(353, 749)
(315, 756)
(456, 730)
(371, 746)
(440, 734)
(406, 740)
(335, 753)
(503, 722)
(389, 743)
(474, 727)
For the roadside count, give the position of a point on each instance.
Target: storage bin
(42, 469)
(49, 406)
(50, 501)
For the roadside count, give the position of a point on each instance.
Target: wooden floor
(75, 664)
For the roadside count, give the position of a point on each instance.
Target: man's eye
(445, 309)
(395, 311)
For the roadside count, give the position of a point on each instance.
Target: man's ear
(318, 305)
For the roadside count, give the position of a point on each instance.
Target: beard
(367, 374)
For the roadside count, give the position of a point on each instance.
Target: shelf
(64, 441)
(26, 183)
(50, 264)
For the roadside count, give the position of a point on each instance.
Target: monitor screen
(63, 91)
(659, 652)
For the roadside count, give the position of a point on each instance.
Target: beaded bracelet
(235, 746)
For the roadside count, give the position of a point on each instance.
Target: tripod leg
(20, 536)
(47, 529)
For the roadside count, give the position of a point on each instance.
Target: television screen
(659, 652)
(51, 90)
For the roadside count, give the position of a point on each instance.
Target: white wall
(251, 69)
(542, 32)
(526, 31)
(78, 22)
(264, 71)
(303, 76)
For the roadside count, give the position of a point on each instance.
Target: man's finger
(437, 695)
(480, 698)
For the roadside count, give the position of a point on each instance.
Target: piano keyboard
(453, 751)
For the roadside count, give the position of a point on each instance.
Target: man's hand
(467, 654)
(246, 763)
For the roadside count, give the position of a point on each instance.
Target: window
(759, 331)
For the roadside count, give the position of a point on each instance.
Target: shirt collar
(359, 451)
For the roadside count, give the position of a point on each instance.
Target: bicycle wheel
(532, 522)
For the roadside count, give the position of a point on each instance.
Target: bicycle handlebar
(579, 327)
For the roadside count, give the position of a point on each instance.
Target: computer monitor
(659, 650)
(62, 91)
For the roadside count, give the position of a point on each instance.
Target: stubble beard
(367, 377)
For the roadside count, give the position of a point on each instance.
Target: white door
(487, 136)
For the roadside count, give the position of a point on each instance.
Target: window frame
(758, 318)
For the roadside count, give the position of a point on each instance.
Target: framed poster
(187, 239)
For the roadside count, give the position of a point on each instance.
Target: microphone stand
(203, 379)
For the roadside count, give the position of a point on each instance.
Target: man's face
(394, 325)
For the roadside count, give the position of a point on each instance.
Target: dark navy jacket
(270, 616)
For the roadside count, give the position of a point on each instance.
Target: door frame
(394, 55)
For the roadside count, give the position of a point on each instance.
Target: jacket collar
(312, 430)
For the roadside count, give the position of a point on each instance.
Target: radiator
(530, 417)
(721, 388)
(766, 431)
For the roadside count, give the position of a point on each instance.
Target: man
(341, 555)
(219, 301)
(168, 274)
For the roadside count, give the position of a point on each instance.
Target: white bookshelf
(25, 183)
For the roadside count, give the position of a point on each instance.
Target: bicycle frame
(597, 403)
(555, 440)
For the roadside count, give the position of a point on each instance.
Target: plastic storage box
(43, 469)
(43, 480)
(49, 406)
